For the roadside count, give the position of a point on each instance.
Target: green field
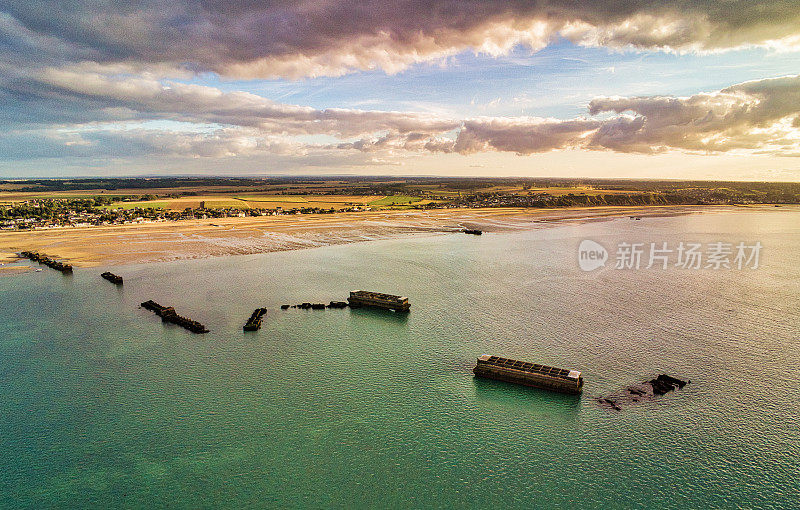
(395, 200)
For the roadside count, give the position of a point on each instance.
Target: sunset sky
(607, 88)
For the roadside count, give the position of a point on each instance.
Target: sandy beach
(164, 241)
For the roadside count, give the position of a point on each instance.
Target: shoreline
(191, 239)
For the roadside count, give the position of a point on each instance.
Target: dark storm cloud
(71, 72)
(308, 38)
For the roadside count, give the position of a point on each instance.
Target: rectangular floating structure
(529, 374)
(376, 299)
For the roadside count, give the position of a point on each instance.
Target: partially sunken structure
(168, 314)
(254, 322)
(117, 280)
(377, 300)
(47, 261)
(643, 392)
(529, 374)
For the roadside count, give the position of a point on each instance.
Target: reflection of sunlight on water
(321, 401)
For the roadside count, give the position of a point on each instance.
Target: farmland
(33, 204)
(235, 201)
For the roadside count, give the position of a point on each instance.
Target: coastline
(189, 239)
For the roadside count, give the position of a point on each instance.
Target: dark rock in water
(472, 231)
(304, 306)
(659, 387)
(337, 304)
(610, 403)
(318, 306)
(664, 384)
(284, 307)
(644, 392)
(674, 381)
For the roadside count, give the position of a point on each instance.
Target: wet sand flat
(188, 239)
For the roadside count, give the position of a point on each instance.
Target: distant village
(48, 213)
(59, 213)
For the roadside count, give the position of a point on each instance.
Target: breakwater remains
(116, 280)
(529, 374)
(361, 298)
(316, 306)
(643, 392)
(47, 261)
(254, 322)
(168, 314)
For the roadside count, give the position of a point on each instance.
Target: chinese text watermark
(662, 255)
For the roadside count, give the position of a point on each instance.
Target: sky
(552, 88)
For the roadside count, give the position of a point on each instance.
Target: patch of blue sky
(557, 81)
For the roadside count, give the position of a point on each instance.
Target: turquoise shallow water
(101, 404)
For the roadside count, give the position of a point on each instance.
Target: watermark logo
(591, 255)
(684, 255)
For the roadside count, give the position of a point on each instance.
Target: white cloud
(758, 117)
(753, 116)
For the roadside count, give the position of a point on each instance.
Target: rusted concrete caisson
(47, 261)
(167, 314)
(116, 280)
(254, 322)
(377, 300)
(529, 374)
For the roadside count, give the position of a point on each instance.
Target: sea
(102, 405)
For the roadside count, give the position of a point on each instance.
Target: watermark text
(662, 255)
